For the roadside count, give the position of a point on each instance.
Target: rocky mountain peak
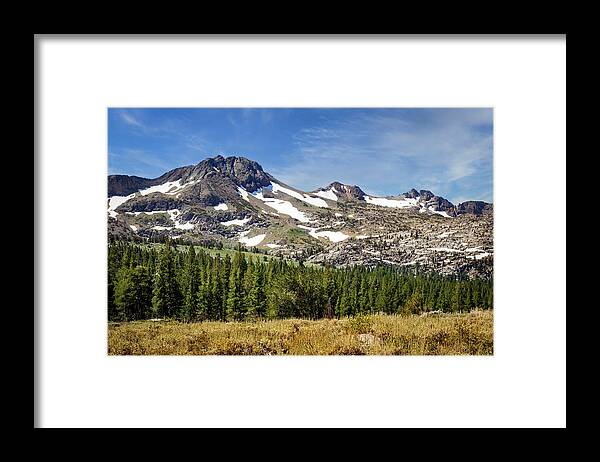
(431, 201)
(412, 194)
(349, 192)
(426, 195)
(474, 208)
(242, 171)
(423, 194)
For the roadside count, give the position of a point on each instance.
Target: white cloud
(130, 120)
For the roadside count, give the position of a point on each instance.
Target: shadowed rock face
(426, 195)
(119, 230)
(243, 172)
(474, 208)
(150, 203)
(123, 185)
(412, 194)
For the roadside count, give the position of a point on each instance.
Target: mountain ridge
(233, 200)
(120, 184)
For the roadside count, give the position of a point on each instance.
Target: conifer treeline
(191, 285)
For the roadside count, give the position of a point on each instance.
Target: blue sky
(384, 151)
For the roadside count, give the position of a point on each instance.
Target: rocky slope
(233, 200)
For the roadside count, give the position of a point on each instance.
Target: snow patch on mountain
(444, 249)
(413, 262)
(242, 192)
(284, 207)
(303, 197)
(173, 216)
(185, 226)
(442, 213)
(287, 208)
(446, 233)
(252, 241)
(153, 212)
(173, 213)
(170, 187)
(221, 206)
(115, 201)
(333, 236)
(384, 202)
(239, 222)
(479, 256)
(371, 252)
(329, 194)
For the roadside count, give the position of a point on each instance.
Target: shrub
(361, 324)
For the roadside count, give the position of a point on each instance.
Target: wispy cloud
(197, 143)
(446, 151)
(384, 151)
(154, 145)
(130, 119)
(231, 119)
(173, 127)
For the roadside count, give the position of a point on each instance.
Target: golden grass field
(446, 334)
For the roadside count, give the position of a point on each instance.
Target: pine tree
(123, 295)
(114, 263)
(224, 276)
(235, 302)
(345, 308)
(216, 291)
(133, 293)
(190, 285)
(381, 297)
(281, 296)
(204, 300)
(363, 296)
(352, 299)
(166, 299)
(256, 298)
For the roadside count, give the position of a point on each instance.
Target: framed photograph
(316, 221)
(219, 256)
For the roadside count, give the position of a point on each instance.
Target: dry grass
(458, 334)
